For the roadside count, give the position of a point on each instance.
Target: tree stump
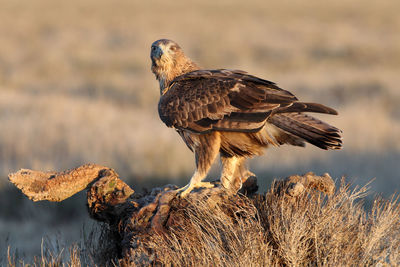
(136, 217)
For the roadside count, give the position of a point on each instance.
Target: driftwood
(134, 217)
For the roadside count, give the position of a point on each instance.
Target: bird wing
(227, 100)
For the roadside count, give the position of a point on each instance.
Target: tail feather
(312, 130)
(306, 107)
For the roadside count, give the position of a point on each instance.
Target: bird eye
(173, 48)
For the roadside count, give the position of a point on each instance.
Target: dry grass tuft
(49, 259)
(276, 229)
(97, 248)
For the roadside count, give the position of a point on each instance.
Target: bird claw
(184, 191)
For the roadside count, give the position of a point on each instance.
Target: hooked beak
(156, 53)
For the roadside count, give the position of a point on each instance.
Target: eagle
(232, 114)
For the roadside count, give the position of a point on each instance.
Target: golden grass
(97, 248)
(48, 259)
(277, 230)
(270, 230)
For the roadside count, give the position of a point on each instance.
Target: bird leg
(242, 171)
(234, 172)
(205, 152)
(229, 168)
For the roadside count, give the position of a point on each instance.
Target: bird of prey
(231, 113)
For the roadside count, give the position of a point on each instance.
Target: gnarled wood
(296, 185)
(135, 217)
(53, 186)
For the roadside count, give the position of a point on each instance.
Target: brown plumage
(232, 113)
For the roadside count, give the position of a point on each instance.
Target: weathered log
(134, 217)
(53, 186)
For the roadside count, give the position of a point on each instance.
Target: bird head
(168, 61)
(164, 55)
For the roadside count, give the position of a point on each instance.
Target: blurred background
(76, 87)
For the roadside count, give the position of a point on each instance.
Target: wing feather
(229, 100)
(214, 99)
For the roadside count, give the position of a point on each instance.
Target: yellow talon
(184, 191)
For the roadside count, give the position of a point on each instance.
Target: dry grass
(270, 230)
(48, 259)
(97, 248)
(277, 230)
(312, 230)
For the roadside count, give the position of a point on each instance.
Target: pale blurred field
(76, 85)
